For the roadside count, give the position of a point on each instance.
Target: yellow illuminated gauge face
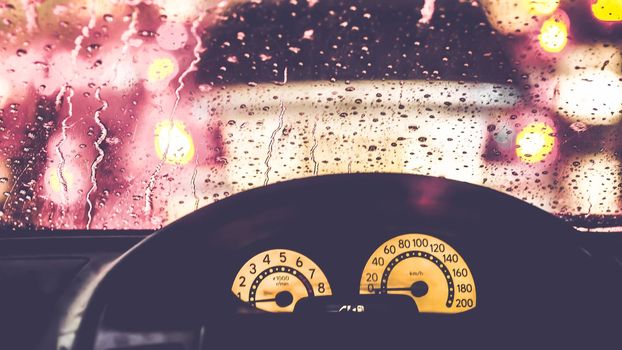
(277, 279)
(424, 268)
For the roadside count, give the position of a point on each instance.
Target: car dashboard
(352, 260)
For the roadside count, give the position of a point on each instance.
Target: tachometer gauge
(276, 279)
(423, 267)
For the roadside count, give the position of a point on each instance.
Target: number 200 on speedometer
(423, 267)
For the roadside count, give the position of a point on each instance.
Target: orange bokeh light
(553, 35)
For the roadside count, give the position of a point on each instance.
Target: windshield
(131, 114)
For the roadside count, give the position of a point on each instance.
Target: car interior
(310, 174)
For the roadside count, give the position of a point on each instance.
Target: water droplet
(578, 126)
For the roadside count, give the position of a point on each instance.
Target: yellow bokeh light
(160, 69)
(535, 142)
(608, 10)
(54, 180)
(542, 7)
(553, 35)
(173, 143)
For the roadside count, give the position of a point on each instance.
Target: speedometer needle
(417, 289)
(404, 288)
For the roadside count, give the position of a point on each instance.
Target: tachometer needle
(282, 299)
(265, 300)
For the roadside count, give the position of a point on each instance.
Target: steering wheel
(535, 285)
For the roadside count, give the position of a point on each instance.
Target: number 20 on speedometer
(423, 267)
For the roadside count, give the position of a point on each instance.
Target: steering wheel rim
(428, 199)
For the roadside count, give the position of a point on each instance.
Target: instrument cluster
(418, 267)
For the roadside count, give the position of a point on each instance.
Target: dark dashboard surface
(39, 273)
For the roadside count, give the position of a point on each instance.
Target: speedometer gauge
(423, 267)
(276, 279)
